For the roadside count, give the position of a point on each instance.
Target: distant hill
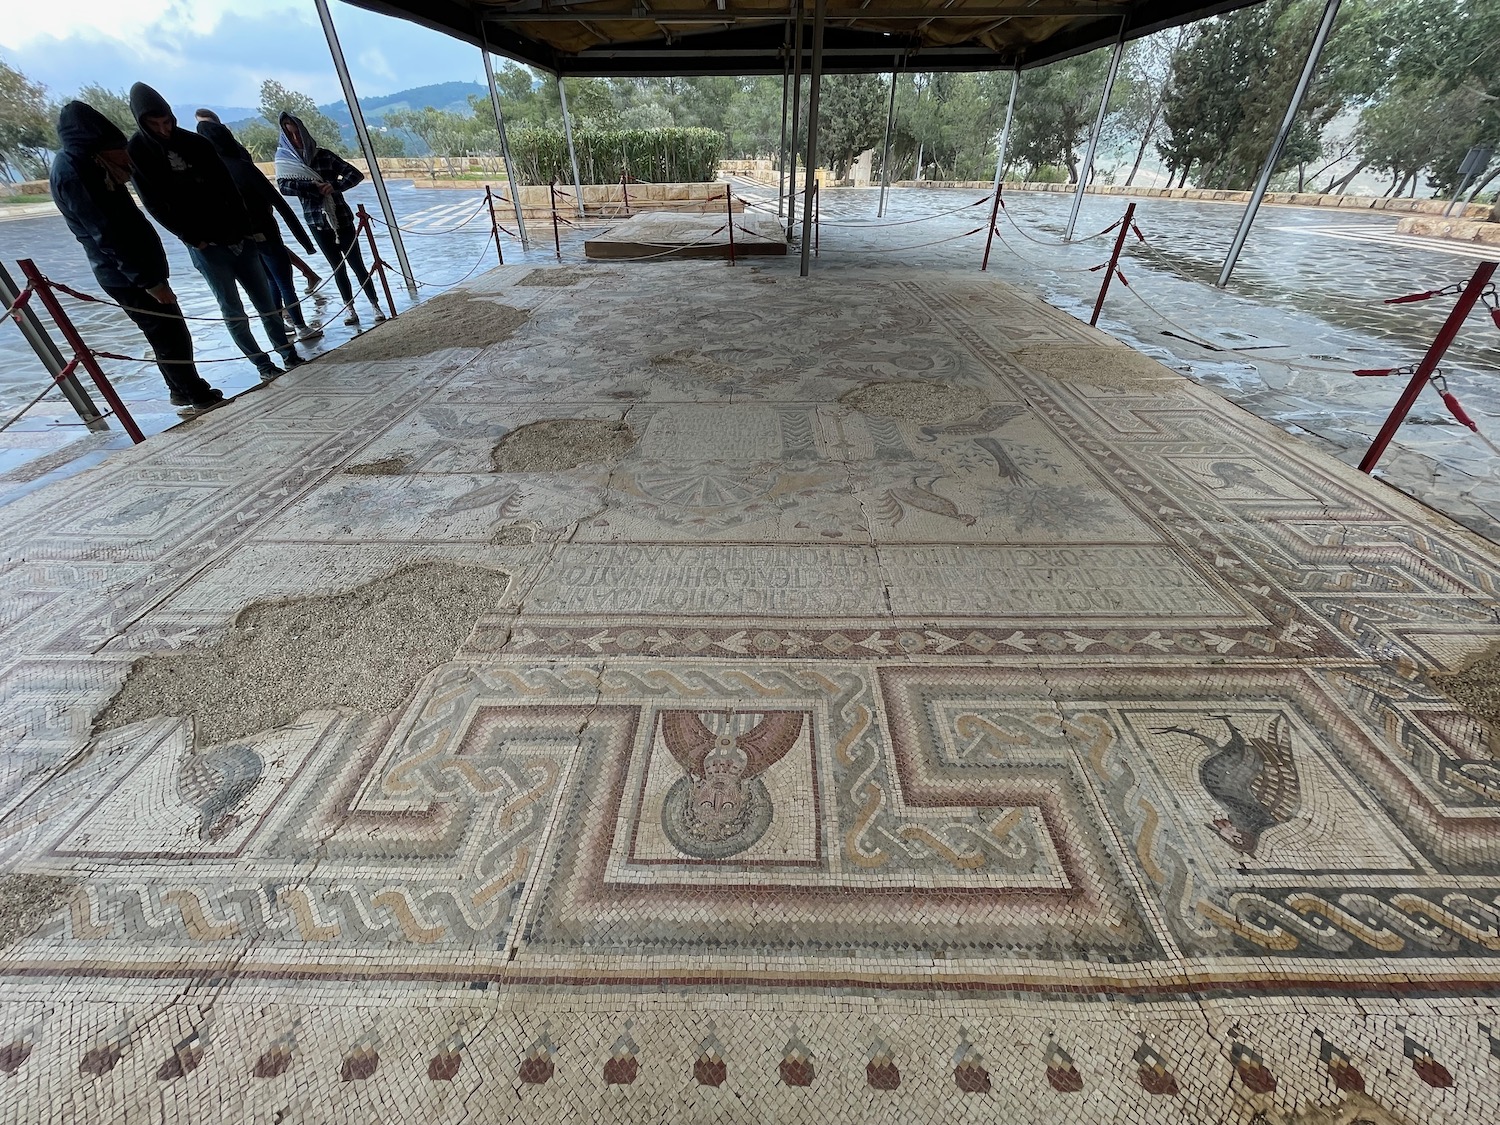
(450, 96)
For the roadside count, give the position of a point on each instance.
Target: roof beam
(1082, 9)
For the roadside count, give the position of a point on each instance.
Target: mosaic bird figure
(1005, 468)
(1254, 779)
(216, 782)
(897, 500)
(991, 418)
(1233, 475)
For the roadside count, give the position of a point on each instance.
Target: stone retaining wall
(1464, 230)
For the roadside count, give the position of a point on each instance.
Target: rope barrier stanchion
(817, 216)
(378, 263)
(729, 213)
(1114, 261)
(1445, 337)
(489, 201)
(625, 194)
(989, 238)
(82, 354)
(556, 233)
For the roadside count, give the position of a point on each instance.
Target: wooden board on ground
(661, 236)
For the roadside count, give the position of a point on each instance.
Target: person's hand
(163, 294)
(326, 189)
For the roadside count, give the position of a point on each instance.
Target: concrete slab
(687, 236)
(1058, 743)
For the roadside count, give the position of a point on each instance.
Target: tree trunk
(1343, 182)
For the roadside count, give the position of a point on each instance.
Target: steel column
(791, 183)
(810, 173)
(562, 96)
(786, 82)
(1309, 69)
(36, 335)
(1010, 113)
(363, 133)
(885, 149)
(510, 171)
(1087, 171)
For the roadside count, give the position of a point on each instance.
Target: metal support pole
(1471, 294)
(989, 236)
(625, 194)
(360, 131)
(1087, 171)
(562, 96)
(786, 82)
(885, 149)
(1114, 261)
(377, 263)
(1010, 113)
(1309, 69)
(36, 335)
(814, 90)
(791, 183)
(510, 171)
(81, 352)
(489, 202)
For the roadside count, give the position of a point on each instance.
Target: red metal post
(489, 201)
(625, 191)
(81, 352)
(1109, 273)
(377, 262)
(1445, 337)
(817, 216)
(990, 235)
(729, 210)
(556, 237)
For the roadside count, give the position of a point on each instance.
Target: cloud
(217, 52)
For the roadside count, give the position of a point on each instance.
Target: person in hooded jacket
(187, 189)
(89, 179)
(260, 201)
(319, 179)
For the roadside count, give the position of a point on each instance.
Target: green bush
(661, 156)
(1048, 174)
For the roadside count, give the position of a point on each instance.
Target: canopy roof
(637, 38)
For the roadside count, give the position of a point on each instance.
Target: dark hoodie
(122, 246)
(332, 167)
(182, 181)
(259, 196)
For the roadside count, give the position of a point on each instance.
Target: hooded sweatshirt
(181, 179)
(259, 196)
(333, 170)
(123, 247)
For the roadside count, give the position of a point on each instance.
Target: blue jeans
(278, 265)
(225, 268)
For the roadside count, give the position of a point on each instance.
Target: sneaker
(379, 316)
(292, 359)
(309, 332)
(270, 372)
(352, 318)
(196, 408)
(180, 400)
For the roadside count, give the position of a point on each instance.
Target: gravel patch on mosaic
(26, 901)
(1477, 690)
(451, 320)
(560, 277)
(1099, 366)
(562, 443)
(362, 650)
(926, 404)
(387, 467)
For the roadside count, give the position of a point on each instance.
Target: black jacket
(335, 169)
(182, 181)
(259, 196)
(123, 247)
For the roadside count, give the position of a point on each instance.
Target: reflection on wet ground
(1304, 309)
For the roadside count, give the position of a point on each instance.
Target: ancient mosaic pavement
(1074, 758)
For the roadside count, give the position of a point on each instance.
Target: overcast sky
(217, 52)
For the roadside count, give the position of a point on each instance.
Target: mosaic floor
(1070, 757)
